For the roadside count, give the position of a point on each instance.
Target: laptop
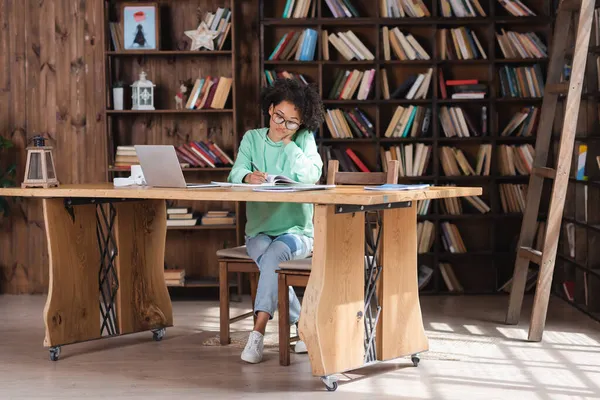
(161, 167)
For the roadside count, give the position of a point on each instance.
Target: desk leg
(71, 313)
(143, 301)
(331, 322)
(106, 270)
(400, 329)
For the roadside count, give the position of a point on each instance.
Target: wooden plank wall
(51, 81)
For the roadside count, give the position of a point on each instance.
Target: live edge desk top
(355, 195)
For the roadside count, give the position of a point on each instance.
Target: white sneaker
(300, 347)
(253, 352)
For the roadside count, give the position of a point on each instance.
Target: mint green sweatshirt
(299, 160)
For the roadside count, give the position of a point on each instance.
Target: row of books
(453, 205)
(209, 92)
(517, 8)
(522, 123)
(271, 75)
(450, 279)
(185, 216)
(460, 43)
(515, 160)
(403, 8)
(299, 8)
(521, 45)
(457, 123)
(413, 121)
(342, 8)
(415, 86)
(347, 44)
(451, 238)
(425, 236)
(413, 158)
(203, 155)
(352, 83)
(349, 161)
(404, 45)
(297, 45)
(348, 123)
(513, 197)
(455, 163)
(462, 8)
(219, 21)
(521, 81)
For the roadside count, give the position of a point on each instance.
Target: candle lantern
(39, 170)
(142, 93)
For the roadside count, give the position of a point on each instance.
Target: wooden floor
(472, 356)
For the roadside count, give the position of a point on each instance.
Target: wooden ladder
(566, 14)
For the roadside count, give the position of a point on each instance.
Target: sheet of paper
(292, 188)
(394, 187)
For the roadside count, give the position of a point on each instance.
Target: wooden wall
(52, 82)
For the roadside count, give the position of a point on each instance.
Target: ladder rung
(531, 254)
(557, 88)
(544, 172)
(570, 5)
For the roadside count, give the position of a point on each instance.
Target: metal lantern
(142, 93)
(39, 170)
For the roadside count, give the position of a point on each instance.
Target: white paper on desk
(394, 187)
(248, 185)
(292, 188)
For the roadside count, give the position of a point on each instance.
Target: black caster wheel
(158, 334)
(330, 383)
(415, 360)
(54, 353)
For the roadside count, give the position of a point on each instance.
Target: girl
(278, 232)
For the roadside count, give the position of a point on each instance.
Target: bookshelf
(490, 238)
(192, 248)
(578, 254)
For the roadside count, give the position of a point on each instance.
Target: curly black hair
(305, 97)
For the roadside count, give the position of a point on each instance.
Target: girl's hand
(287, 139)
(256, 177)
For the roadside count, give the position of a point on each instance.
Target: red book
(212, 148)
(181, 153)
(203, 154)
(357, 161)
(187, 150)
(456, 82)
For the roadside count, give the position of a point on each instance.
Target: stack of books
(521, 81)
(515, 159)
(413, 158)
(414, 86)
(462, 88)
(408, 121)
(209, 92)
(300, 45)
(174, 277)
(513, 197)
(181, 216)
(218, 218)
(126, 157)
(451, 238)
(201, 154)
(457, 123)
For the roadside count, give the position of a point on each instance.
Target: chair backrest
(334, 177)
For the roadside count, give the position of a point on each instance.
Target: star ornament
(202, 37)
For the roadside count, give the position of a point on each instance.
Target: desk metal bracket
(352, 208)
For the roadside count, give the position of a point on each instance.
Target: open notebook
(272, 180)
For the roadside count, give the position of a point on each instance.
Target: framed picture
(140, 26)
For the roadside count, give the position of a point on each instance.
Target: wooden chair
(296, 272)
(234, 260)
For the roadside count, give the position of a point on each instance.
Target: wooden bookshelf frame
(182, 242)
(498, 256)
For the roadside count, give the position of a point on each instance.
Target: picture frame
(140, 23)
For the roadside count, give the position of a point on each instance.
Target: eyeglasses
(291, 125)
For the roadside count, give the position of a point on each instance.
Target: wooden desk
(112, 240)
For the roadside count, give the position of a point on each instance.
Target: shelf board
(346, 140)
(407, 139)
(169, 53)
(170, 111)
(476, 139)
(201, 227)
(520, 60)
(519, 100)
(219, 169)
(404, 21)
(464, 101)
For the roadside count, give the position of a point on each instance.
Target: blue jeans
(268, 252)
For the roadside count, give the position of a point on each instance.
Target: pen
(254, 166)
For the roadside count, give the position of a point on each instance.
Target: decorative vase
(118, 98)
